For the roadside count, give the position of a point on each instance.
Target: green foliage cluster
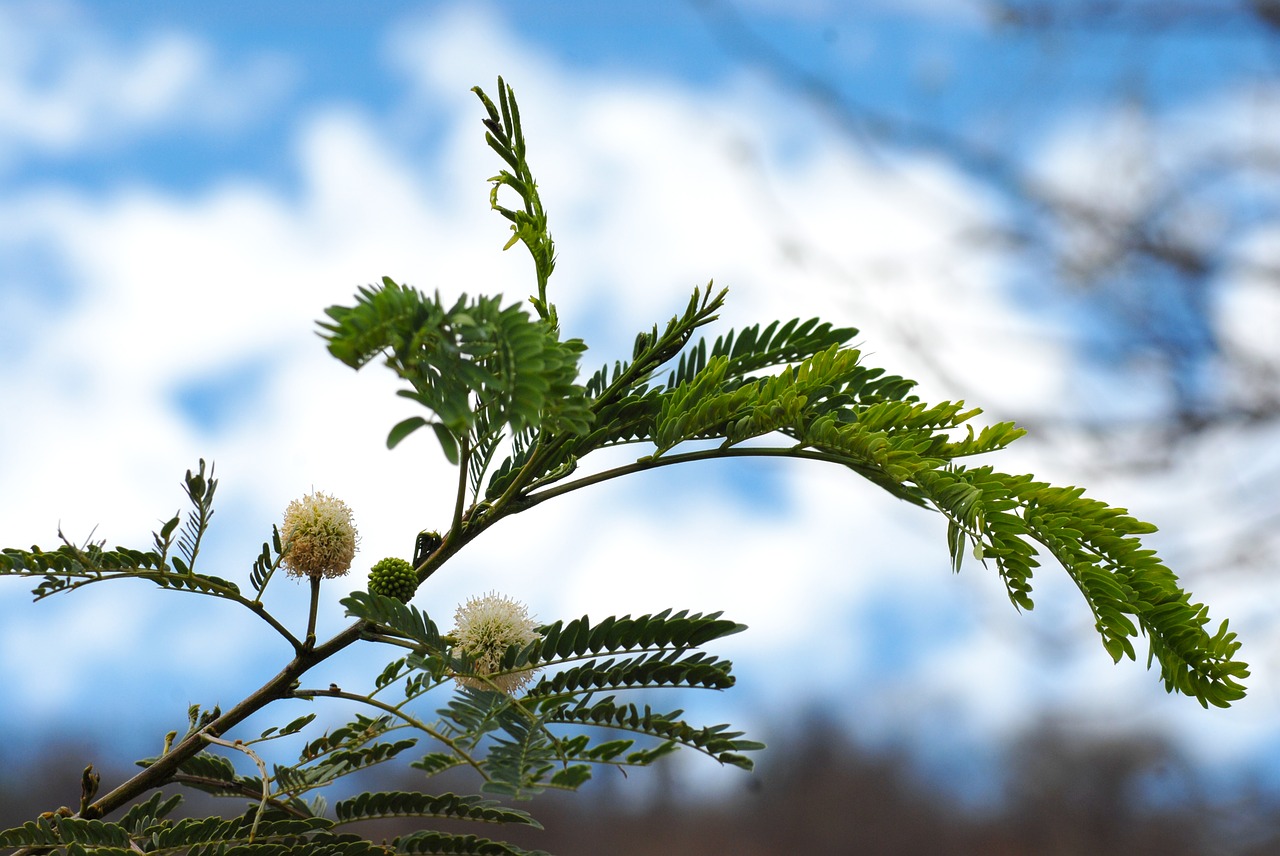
(504, 396)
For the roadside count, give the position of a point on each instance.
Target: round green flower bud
(393, 578)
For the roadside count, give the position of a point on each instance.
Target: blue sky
(187, 186)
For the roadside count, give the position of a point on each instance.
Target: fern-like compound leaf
(445, 844)
(475, 362)
(647, 671)
(395, 616)
(199, 489)
(752, 349)
(1127, 587)
(669, 728)
(400, 804)
(150, 813)
(664, 631)
(340, 752)
(70, 567)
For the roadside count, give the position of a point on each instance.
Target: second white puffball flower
(319, 537)
(484, 628)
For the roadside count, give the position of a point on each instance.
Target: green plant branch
(310, 641)
(257, 601)
(91, 572)
(395, 711)
(211, 589)
(388, 639)
(663, 348)
(280, 687)
(650, 463)
(531, 717)
(240, 746)
(241, 788)
(626, 729)
(464, 463)
(259, 610)
(479, 367)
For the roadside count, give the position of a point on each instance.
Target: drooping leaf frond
(1126, 585)
(717, 741)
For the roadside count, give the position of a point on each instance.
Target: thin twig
(464, 461)
(394, 710)
(262, 768)
(310, 641)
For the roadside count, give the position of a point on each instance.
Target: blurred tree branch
(1177, 218)
(1146, 228)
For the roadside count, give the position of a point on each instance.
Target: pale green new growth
(502, 393)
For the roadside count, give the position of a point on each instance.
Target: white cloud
(67, 89)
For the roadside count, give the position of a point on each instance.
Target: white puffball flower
(319, 537)
(484, 628)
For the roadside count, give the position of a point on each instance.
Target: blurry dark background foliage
(1138, 250)
(818, 792)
